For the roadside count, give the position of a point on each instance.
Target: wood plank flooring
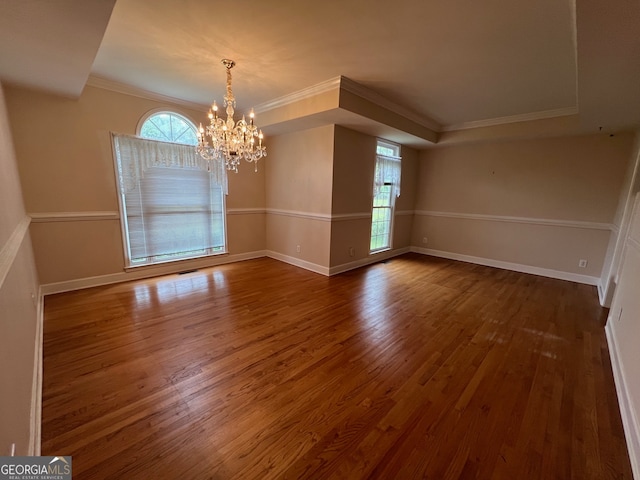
(413, 368)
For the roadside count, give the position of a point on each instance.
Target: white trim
(341, 217)
(601, 293)
(309, 92)
(297, 262)
(529, 220)
(148, 271)
(246, 211)
(524, 117)
(374, 97)
(336, 217)
(294, 213)
(114, 86)
(371, 259)
(399, 213)
(35, 427)
(611, 271)
(516, 267)
(47, 217)
(633, 243)
(629, 420)
(11, 247)
(344, 83)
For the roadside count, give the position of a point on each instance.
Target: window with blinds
(172, 201)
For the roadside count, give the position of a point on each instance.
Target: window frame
(129, 264)
(159, 111)
(381, 143)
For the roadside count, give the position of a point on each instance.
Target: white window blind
(172, 201)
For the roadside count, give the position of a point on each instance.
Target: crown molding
(309, 92)
(524, 117)
(374, 97)
(344, 83)
(118, 87)
(339, 82)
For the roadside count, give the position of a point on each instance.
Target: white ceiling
(457, 63)
(51, 45)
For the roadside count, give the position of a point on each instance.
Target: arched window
(169, 127)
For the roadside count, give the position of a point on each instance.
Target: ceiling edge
(524, 117)
(305, 93)
(112, 85)
(375, 97)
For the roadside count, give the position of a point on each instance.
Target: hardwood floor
(413, 368)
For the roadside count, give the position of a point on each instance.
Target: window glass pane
(169, 127)
(388, 149)
(151, 131)
(389, 152)
(383, 197)
(380, 228)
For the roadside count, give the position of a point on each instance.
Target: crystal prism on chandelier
(230, 141)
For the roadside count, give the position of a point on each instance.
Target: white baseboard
(375, 258)
(297, 262)
(629, 420)
(35, 423)
(314, 267)
(147, 272)
(516, 267)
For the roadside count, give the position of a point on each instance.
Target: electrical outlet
(352, 251)
(298, 248)
(425, 240)
(582, 263)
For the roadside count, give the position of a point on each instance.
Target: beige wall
(18, 305)
(318, 183)
(318, 188)
(69, 170)
(543, 203)
(299, 170)
(353, 169)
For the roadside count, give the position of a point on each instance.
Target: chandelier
(226, 140)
